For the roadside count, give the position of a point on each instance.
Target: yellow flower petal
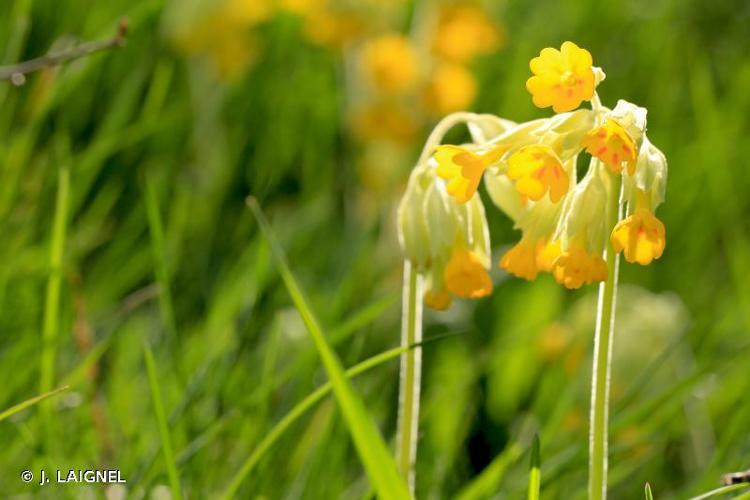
(439, 300)
(641, 237)
(463, 169)
(521, 260)
(612, 145)
(537, 170)
(576, 267)
(465, 276)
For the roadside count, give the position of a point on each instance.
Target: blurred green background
(298, 103)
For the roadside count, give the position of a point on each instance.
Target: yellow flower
(520, 260)
(562, 78)
(464, 31)
(465, 276)
(537, 170)
(391, 63)
(301, 7)
(575, 266)
(641, 237)
(249, 11)
(547, 255)
(612, 145)
(453, 88)
(333, 29)
(462, 169)
(438, 299)
(385, 121)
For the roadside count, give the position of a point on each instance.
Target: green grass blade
(535, 476)
(372, 450)
(161, 419)
(51, 321)
(300, 409)
(649, 495)
(29, 402)
(160, 265)
(723, 490)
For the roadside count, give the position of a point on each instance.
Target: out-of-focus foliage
(318, 109)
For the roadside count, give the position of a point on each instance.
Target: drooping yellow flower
(575, 266)
(463, 32)
(452, 88)
(562, 78)
(537, 170)
(465, 276)
(612, 145)
(547, 255)
(641, 237)
(391, 63)
(462, 169)
(439, 300)
(521, 260)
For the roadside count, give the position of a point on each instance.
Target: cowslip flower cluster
(530, 173)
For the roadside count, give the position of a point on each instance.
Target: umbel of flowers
(529, 170)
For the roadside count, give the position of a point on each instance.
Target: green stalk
(411, 374)
(161, 272)
(51, 321)
(601, 369)
(161, 420)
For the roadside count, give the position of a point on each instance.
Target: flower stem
(601, 369)
(411, 374)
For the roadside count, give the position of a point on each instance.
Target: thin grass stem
(161, 419)
(51, 321)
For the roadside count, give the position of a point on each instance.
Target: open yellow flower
(613, 145)
(391, 63)
(463, 169)
(575, 266)
(562, 78)
(465, 276)
(641, 237)
(537, 170)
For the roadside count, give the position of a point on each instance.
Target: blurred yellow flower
(537, 170)
(641, 237)
(520, 260)
(552, 341)
(439, 300)
(463, 169)
(225, 37)
(612, 145)
(248, 12)
(386, 121)
(575, 266)
(452, 88)
(333, 29)
(464, 31)
(300, 7)
(465, 276)
(562, 78)
(547, 255)
(391, 63)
